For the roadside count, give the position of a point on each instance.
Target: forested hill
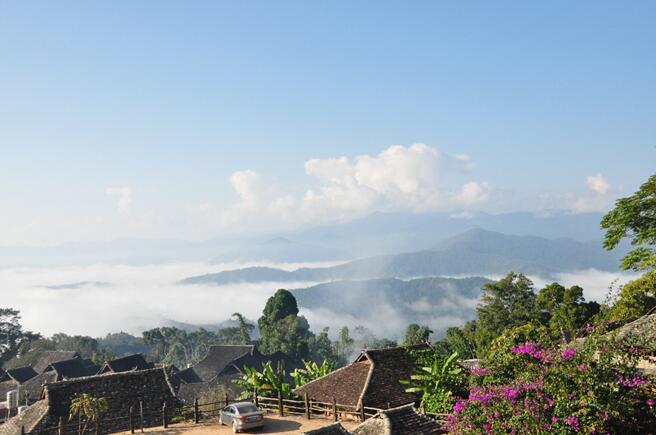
(475, 252)
(409, 299)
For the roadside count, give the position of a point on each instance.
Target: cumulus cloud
(473, 192)
(597, 200)
(415, 178)
(124, 197)
(597, 183)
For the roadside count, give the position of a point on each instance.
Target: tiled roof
(332, 429)
(73, 368)
(373, 380)
(218, 358)
(188, 376)
(403, 420)
(52, 356)
(390, 366)
(127, 364)
(345, 385)
(21, 374)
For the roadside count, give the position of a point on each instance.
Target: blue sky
(128, 119)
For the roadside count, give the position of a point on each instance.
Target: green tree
(416, 334)
(12, 334)
(634, 217)
(462, 340)
(281, 328)
(564, 310)
(636, 298)
(244, 329)
(322, 347)
(504, 304)
(344, 346)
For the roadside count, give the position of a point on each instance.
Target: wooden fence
(137, 420)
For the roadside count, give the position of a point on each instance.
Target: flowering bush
(593, 388)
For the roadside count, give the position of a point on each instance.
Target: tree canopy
(504, 304)
(634, 217)
(281, 328)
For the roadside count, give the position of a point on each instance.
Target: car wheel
(234, 427)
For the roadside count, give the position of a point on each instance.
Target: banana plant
(311, 371)
(435, 383)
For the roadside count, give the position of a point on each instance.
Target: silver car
(241, 416)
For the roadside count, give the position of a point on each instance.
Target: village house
(128, 363)
(372, 380)
(222, 365)
(12, 379)
(402, 420)
(52, 356)
(146, 389)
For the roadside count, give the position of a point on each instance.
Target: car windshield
(246, 408)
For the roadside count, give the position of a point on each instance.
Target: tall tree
(12, 334)
(462, 340)
(416, 334)
(506, 303)
(636, 298)
(244, 329)
(322, 347)
(281, 328)
(564, 310)
(634, 217)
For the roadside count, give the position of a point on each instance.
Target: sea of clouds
(95, 300)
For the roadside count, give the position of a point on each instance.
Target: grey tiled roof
(51, 356)
(21, 374)
(127, 364)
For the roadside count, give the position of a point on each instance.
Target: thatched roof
(644, 326)
(389, 367)
(331, 429)
(115, 387)
(403, 420)
(373, 380)
(52, 356)
(29, 419)
(126, 364)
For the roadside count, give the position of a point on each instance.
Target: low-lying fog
(95, 300)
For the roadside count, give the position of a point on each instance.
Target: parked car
(241, 416)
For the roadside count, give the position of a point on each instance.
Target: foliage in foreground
(594, 388)
(87, 409)
(436, 379)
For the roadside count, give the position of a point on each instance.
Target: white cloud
(597, 183)
(417, 178)
(473, 192)
(124, 195)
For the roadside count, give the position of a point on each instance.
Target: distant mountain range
(409, 297)
(376, 234)
(387, 306)
(475, 252)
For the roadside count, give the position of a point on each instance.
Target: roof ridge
(360, 404)
(104, 375)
